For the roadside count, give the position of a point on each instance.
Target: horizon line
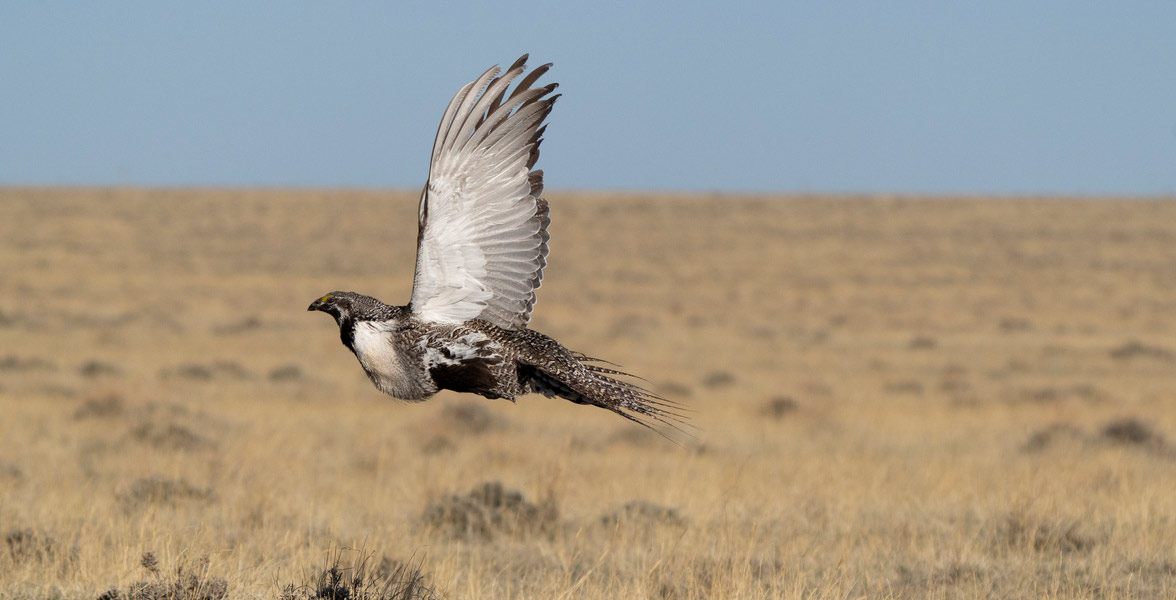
(715, 194)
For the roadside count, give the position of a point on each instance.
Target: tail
(581, 380)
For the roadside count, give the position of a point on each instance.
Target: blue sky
(925, 97)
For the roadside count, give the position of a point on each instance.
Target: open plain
(896, 397)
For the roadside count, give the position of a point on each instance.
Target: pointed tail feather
(595, 386)
(546, 367)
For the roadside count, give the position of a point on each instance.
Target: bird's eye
(324, 299)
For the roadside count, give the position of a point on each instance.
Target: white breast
(390, 370)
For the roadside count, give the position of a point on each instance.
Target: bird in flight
(481, 249)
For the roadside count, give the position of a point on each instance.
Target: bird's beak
(320, 304)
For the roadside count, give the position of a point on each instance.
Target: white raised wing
(482, 239)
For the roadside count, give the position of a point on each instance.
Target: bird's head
(337, 304)
(350, 306)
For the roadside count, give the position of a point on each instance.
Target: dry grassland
(923, 398)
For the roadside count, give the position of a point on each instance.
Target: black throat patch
(347, 333)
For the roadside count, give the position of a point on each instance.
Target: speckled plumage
(481, 358)
(481, 251)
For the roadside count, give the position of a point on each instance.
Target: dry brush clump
(718, 379)
(911, 387)
(488, 511)
(922, 342)
(675, 389)
(458, 421)
(437, 444)
(1022, 531)
(642, 514)
(1136, 349)
(779, 407)
(219, 370)
(185, 582)
(287, 372)
(1051, 435)
(101, 407)
(1050, 394)
(470, 418)
(639, 437)
(923, 581)
(157, 490)
(18, 364)
(95, 368)
(1128, 432)
(12, 319)
(30, 545)
(1133, 432)
(686, 578)
(161, 426)
(10, 471)
(358, 579)
(1015, 325)
(169, 436)
(246, 325)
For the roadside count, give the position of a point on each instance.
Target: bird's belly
(390, 370)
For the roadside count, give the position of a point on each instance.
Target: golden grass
(929, 398)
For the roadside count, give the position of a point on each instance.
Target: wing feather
(482, 239)
(518, 64)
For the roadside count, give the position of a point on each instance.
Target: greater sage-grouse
(481, 248)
